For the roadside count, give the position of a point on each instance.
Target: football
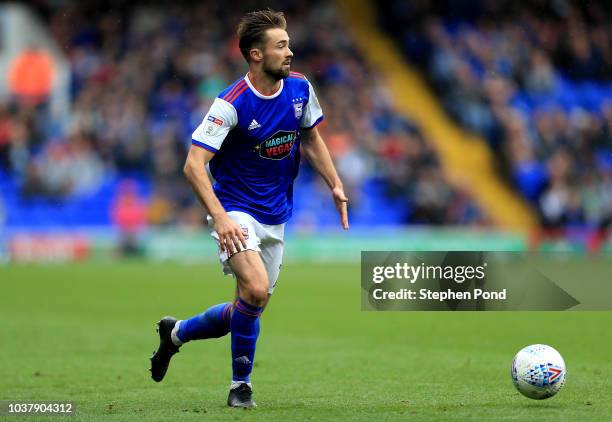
(538, 371)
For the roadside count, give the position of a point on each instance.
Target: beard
(277, 73)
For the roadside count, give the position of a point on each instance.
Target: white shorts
(263, 238)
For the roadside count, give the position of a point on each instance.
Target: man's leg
(213, 323)
(253, 284)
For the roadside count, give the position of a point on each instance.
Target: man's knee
(259, 295)
(252, 277)
(256, 290)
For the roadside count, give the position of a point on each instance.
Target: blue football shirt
(255, 139)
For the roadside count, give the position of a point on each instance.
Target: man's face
(276, 54)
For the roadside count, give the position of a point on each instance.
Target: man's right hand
(230, 234)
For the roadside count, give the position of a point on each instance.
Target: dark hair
(252, 29)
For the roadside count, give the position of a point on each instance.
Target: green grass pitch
(85, 333)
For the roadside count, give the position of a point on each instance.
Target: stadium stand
(536, 80)
(144, 75)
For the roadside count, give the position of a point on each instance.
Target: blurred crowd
(144, 75)
(535, 79)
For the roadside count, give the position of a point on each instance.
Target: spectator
(30, 76)
(129, 216)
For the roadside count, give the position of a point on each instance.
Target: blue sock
(245, 329)
(212, 323)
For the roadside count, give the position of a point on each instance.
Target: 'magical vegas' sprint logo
(278, 146)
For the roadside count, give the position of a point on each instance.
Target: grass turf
(85, 333)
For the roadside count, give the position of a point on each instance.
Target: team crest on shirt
(212, 125)
(298, 109)
(277, 146)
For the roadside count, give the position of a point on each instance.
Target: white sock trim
(177, 341)
(236, 384)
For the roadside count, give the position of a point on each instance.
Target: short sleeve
(313, 113)
(220, 119)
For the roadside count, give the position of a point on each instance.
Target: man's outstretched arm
(317, 154)
(228, 230)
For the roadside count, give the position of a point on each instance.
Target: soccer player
(251, 137)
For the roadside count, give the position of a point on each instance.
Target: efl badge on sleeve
(297, 110)
(212, 125)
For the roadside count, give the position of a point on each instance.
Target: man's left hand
(341, 205)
